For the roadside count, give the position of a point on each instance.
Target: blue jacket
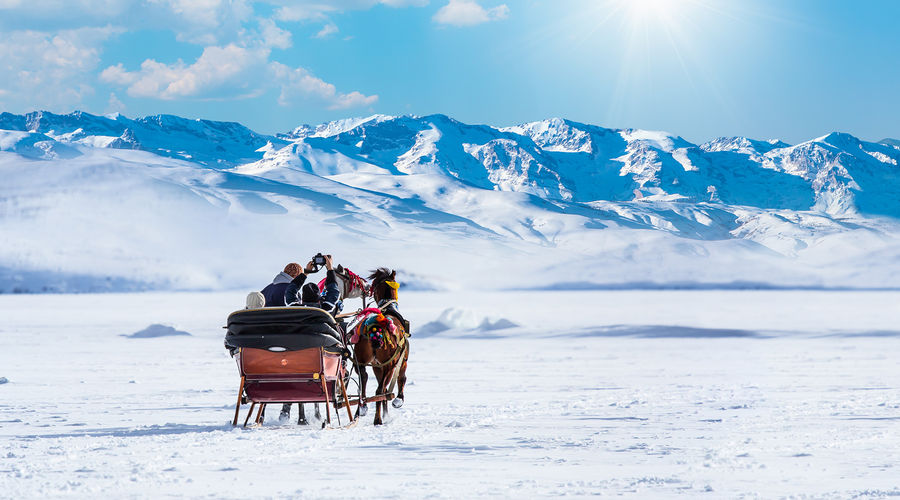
(327, 299)
(274, 292)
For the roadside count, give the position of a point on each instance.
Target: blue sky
(791, 69)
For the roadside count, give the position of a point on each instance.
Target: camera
(318, 261)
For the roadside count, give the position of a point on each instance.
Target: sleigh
(288, 355)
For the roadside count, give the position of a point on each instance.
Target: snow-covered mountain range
(107, 202)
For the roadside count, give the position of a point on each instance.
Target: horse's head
(352, 285)
(384, 284)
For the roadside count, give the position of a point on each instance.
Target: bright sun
(641, 11)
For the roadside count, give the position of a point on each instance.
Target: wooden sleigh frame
(310, 375)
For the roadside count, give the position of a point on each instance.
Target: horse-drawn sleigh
(301, 354)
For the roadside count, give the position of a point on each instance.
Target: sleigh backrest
(282, 329)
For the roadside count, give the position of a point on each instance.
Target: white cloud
(114, 105)
(300, 83)
(319, 10)
(230, 72)
(54, 67)
(469, 13)
(204, 22)
(328, 29)
(220, 72)
(404, 3)
(41, 70)
(273, 36)
(290, 13)
(353, 100)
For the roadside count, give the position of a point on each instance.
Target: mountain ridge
(625, 205)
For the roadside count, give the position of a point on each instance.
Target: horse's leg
(318, 412)
(385, 386)
(401, 382)
(301, 420)
(363, 408)
(285, 412)
(379, 374)
(363, 354)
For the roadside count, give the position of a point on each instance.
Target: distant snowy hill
(202, 141)
(111, 203)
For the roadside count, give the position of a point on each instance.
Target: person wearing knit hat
(274, 292)
(299, 294)
(255, 300)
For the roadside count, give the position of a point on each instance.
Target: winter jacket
(274, 292)
(328, 298)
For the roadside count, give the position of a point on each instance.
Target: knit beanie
(293, 269)
(310, 293)
(255, 300)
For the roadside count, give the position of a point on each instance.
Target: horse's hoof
(378, 422)
(397, 402)
(284, 417)
(302, 421)
(363, 409)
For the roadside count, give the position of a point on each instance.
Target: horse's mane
(379, 275)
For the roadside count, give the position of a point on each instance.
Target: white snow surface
(642, 394)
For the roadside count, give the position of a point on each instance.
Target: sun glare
(643, 9)
(650, 34)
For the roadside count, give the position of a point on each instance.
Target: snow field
(642, 394)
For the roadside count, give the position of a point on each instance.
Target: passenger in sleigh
(299, 294)
(274, 291)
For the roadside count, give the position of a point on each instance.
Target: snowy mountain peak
(557, 159)
(333, 128)
(556, 135)
(206, 142)
(743, 145)
(841, 140)
(660, 140)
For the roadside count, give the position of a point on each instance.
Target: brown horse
(386, 355)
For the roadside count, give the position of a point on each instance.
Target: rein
(386, 304)
(405, 347)
(402, 344)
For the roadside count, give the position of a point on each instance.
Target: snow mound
(3, 380)
(156, 330)
(462, 319)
